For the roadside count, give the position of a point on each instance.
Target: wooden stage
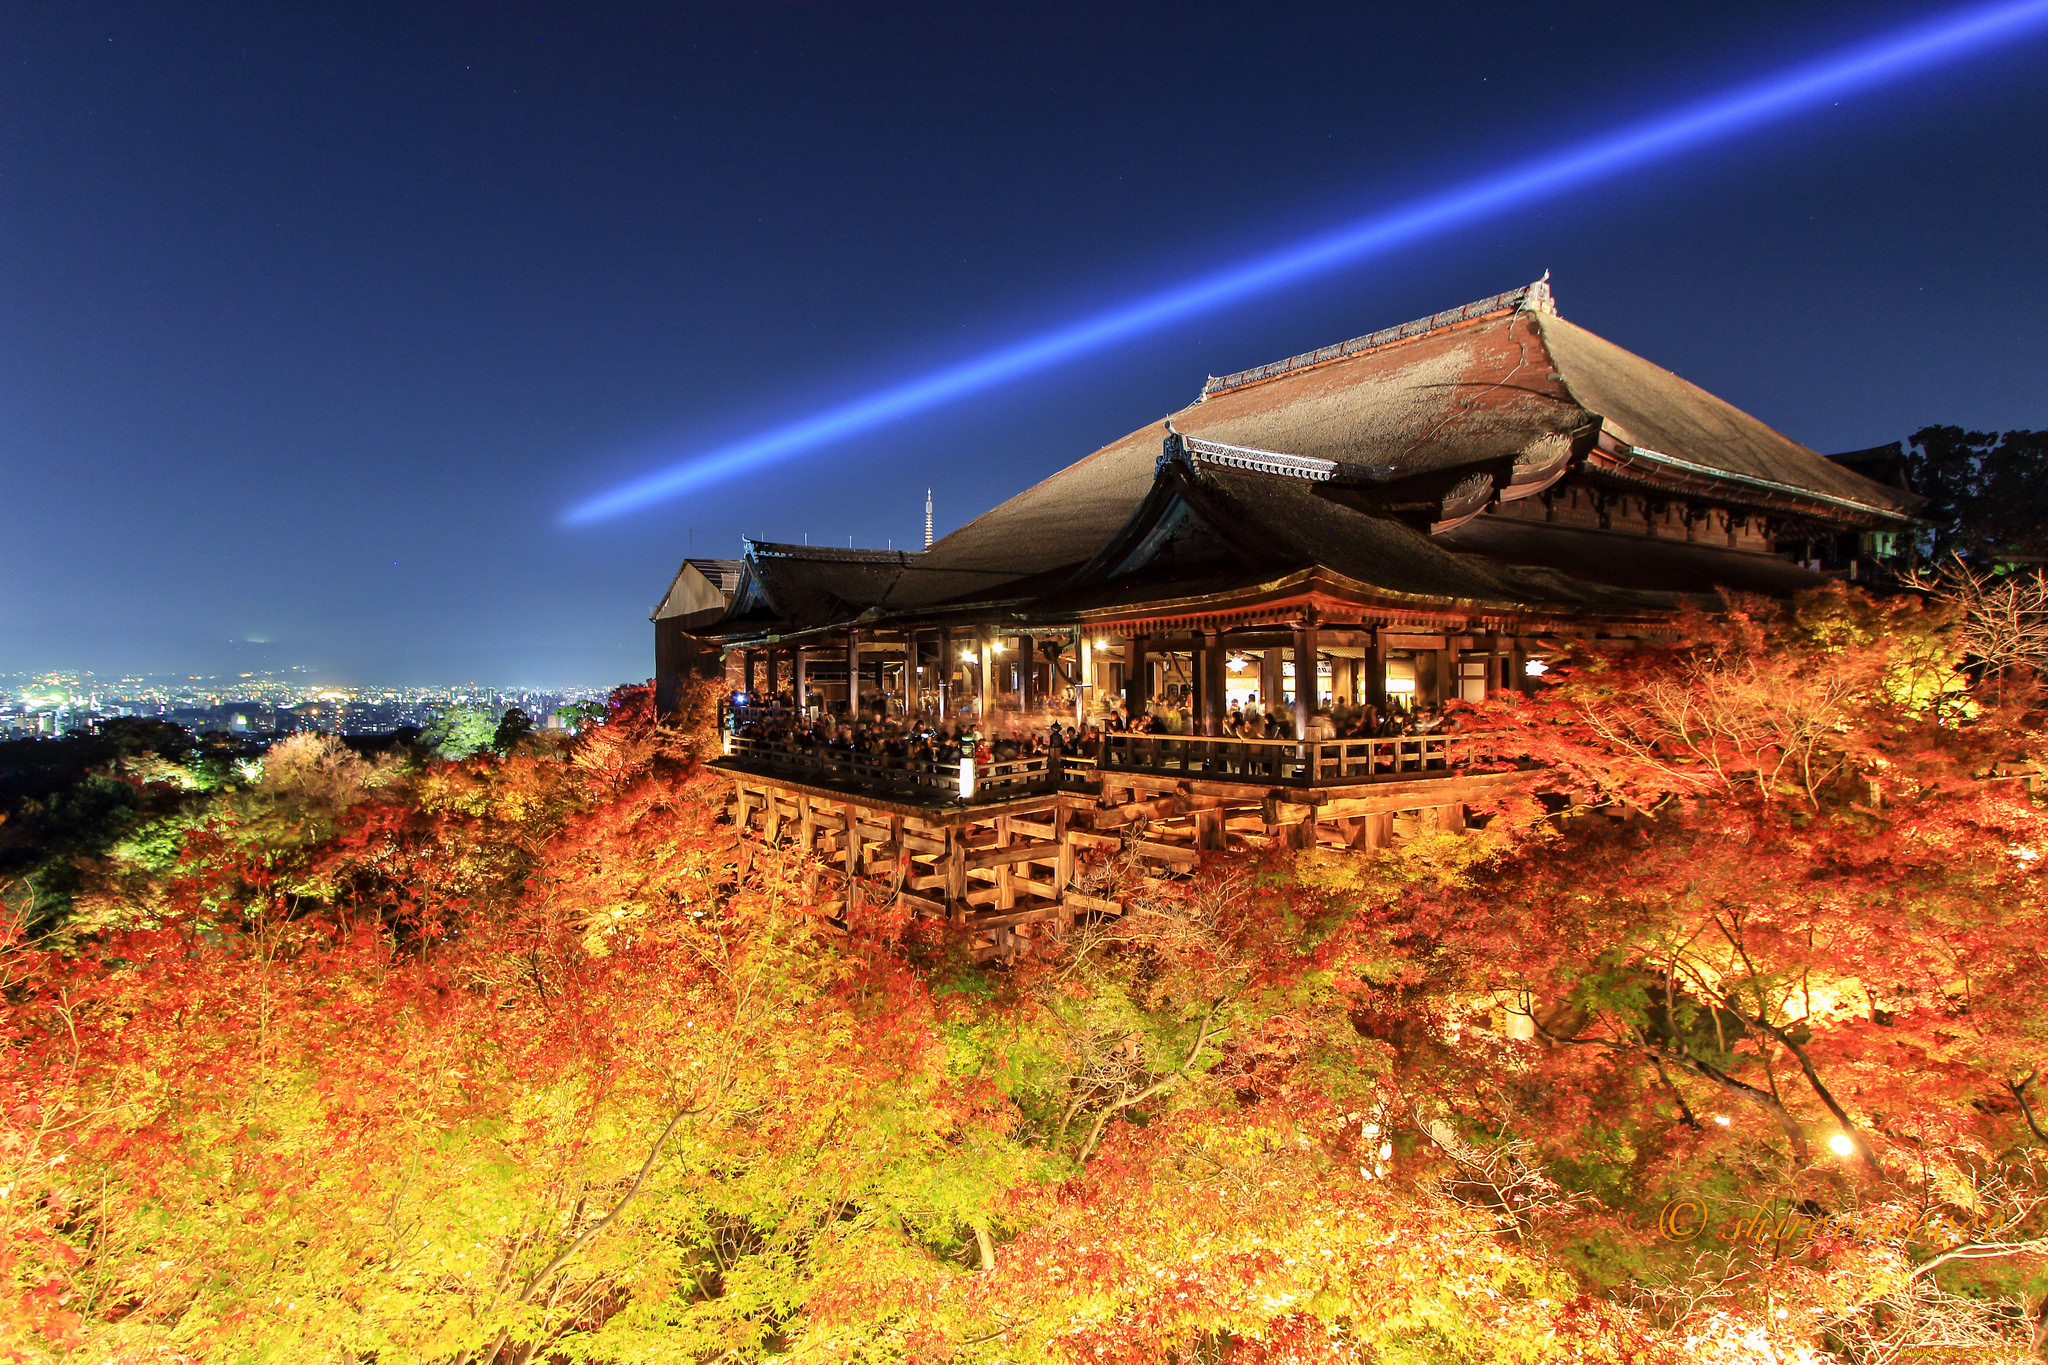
(1013, 868)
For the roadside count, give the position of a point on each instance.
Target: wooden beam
(1166, 853)
(1094, 903)
(1046, 850)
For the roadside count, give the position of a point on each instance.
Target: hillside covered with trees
(1723, 1040)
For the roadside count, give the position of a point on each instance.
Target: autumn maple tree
(1720, 1040)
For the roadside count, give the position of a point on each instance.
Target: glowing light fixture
(1946, 38)
(1841, 1144)
(1535, 668)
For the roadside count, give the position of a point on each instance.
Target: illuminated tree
(1723, 1043)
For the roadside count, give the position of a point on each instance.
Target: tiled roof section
(1627, 561)
(1459, 394)
(1682, 425)
(1247, 529)
(1534, 297)
(794, 588)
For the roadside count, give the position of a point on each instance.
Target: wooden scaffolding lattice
(1010, 872)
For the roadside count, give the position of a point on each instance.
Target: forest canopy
(1720, 1040)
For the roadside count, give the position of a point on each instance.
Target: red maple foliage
(1722, 1040)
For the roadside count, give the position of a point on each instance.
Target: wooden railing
(1262, 762)
(1283, 762)
(923, 779)
(732, 717)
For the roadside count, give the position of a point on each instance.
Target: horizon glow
(1900, 53)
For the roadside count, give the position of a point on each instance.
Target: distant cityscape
(255, 705)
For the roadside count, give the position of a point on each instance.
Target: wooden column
(1376, 674)
(1428, 677)
(747, 658)
(1024, 673)
(853, 854)
(852, 672)
(947, 663)
(1304, 678)
(799, 680)
(1136, 692)
(983, 684)
(1212, 683)
(1006, 872)
(1084, 675)
(1270, 689)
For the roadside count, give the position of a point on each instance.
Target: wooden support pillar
(1450, 819)
(1304, 678)
(747, 666)
(1137, 692)
(983, 683)
(1006, 877)
(1063, 868)
(1429, 665)
(1212, 683)
(947, 663)
(956, 873)
(806, 825)
(1269, 680)
(1369, 832)
(1376, 675)
(852, 672)
(1025, 671)
(1084, 676)
(1209, 829)
(853, 854)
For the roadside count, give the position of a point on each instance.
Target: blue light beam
(1901, 53)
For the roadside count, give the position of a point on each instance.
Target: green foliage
(459, 732)
(1987, 494)
(513, 726)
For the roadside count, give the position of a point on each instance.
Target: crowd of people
(887, 732)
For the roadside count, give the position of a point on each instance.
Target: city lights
(1950, 37)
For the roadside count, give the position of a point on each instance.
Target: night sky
(313, 322)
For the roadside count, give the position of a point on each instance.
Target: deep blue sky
(313, 321)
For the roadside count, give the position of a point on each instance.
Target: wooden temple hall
(1414, 516)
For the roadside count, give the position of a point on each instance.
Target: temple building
(1417, 515)
(1376, 530)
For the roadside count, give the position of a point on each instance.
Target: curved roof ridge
(1534, 297)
